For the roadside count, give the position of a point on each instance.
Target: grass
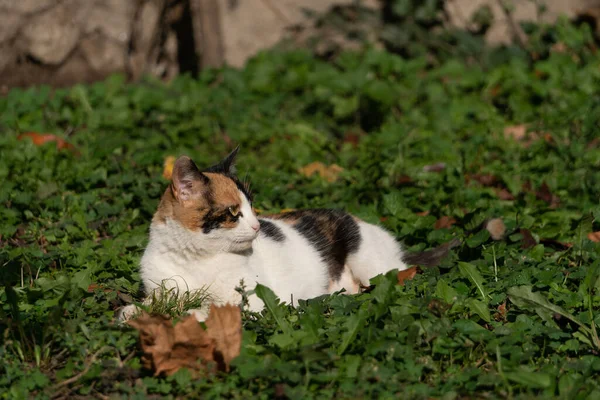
(514, 318)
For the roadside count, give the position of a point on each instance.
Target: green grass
(497, 319)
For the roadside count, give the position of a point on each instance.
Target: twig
(514, 26)
(88, 365)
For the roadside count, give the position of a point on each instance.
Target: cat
(206, 235)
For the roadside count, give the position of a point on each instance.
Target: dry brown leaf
(41, 138)
(556, 244)
(224, 327)
(594, 236)
(329, 173)
(156, 338)
(516, 132)
(403, 180)
(544, 194)
(423, 213)
(528, 239)
(437, 167)
(444, 222)
(484, 179)
(504, 194)
(353, 138)
(502, 311)
(168, 348)
(407, 274)
(168, 167)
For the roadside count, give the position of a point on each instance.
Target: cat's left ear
(227, 165)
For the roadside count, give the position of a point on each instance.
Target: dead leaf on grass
(528, 239)
(168, 167)
(407, 274)
(556, 244)
(224, 327)
(594, 236)
(329, 173)
(41, 138)
(437, 167)
(544, 194)
(516, 132)
(504, 194)
(168, 348)
(444, 222)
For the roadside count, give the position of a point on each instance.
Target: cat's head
(211, 205)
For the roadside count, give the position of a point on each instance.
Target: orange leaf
(168, 167)
(444, 222)
(42, 138)
(594, 236)
(423, 213)
(329, 173)
(407, 274)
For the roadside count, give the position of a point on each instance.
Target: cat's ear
(188, 181)
(227, 165)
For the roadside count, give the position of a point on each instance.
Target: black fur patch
(215, 218)
(271, 230)
(334, 233)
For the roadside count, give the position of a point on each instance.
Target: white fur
(378, 253)
(292, 268)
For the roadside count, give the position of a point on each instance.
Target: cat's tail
(433, 257)
(430, 258)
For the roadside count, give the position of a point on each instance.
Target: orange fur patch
(220, 193)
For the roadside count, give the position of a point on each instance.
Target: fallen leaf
(444, 222)
(403, 180)
(423, 213)
(544, 194)
(41, 138)
(168, 348)
(594, 236)
(558, 47)
(504, 194)
(407, 274)
(556, 244)
(190, 344)
(516, 132)
(528, 239)
(593, 144)
(329, 173)
(224, 327)
(353, 138)
(437, 167)
(168, 167)
(484, 179)
(501, 314)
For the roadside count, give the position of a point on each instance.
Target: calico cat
(205, 234)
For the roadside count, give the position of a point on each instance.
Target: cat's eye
(234, 210)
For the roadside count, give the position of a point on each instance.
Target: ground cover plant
(429, 150)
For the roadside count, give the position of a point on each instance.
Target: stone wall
(61, 42)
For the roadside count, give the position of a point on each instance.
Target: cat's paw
(128, 312)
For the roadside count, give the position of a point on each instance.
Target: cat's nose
(256, 226)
